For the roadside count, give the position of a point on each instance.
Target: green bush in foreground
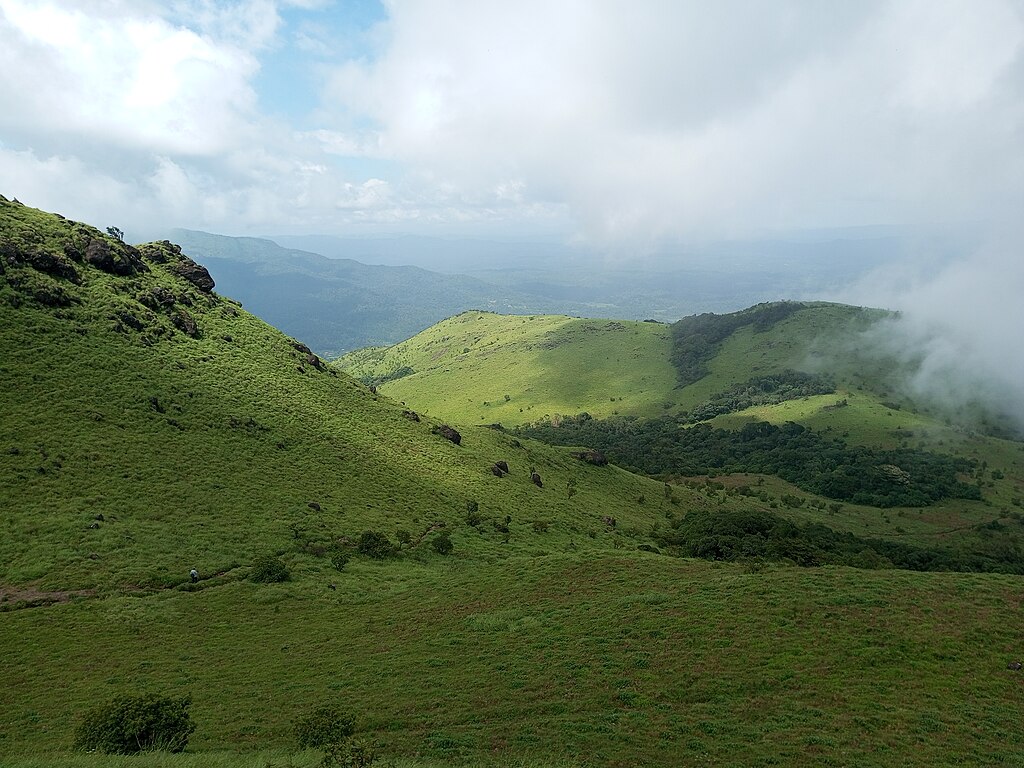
(131, 724)
(322, 727)
(269, 569)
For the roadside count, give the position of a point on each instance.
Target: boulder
(448, 433)
(117, 258)
(591, 456)
(196, 274)
(535, 479)
(411, 415)
(185, 323)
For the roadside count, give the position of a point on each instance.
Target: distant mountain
(336, 304)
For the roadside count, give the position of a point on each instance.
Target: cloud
(672, 119)
(956, 341)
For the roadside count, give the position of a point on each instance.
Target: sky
(596, 121)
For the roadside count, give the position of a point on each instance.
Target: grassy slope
(583, 371)
(566, 643)
(546, 364)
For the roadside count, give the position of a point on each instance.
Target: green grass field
(129, 455)
(547, 365)
(612, 660)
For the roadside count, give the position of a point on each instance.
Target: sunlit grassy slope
(148, 426)
(464, 367)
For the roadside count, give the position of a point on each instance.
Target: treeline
(762, 390)
(697, 339)
(818, 464)
(743, 535)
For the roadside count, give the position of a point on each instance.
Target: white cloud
(671, 118)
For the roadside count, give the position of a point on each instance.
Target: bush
(131, 724)
(375, 544)
(269, 569)
(339, 559)
(348, 754)
(442, 543)
(322, 727)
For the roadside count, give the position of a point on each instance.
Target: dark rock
(502, 465)
(300, 347)
(610, 521)
(411, 415)
(373, 390)
(99, 517)
(1014, 665)
(157, 298)
(448, 433)
(117, 259)
(54, 265)
(591, 456)
(535, 479)
(315, 361)
(496, 471)
(94, 525)
(196, 274)
(314, 506)
(185, 323)
(127, 318)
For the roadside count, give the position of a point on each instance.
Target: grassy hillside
(150, 426)
(555, 367)
(462, 368)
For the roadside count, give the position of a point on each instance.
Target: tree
(116, 233)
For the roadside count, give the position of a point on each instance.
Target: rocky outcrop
(448, 433)
(195, 273)
(591, 456)
(114, 257)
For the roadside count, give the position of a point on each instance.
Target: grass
(546, 365)
(613, 660)
(128, 457)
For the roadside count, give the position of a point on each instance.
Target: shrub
(339, 559)
(375, 544)
(131, 724)
(323, 726)
(268, 569)
(442, 543)
(348, 754)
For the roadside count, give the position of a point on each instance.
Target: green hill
(150, 426)
(638, 384)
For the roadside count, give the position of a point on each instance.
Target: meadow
(151, 426)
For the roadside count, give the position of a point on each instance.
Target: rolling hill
(150, 426)
(637, 384)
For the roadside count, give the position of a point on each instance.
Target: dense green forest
(816, 463)
(697, 339)
(746, 535)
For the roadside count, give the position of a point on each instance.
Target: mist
(957, 339)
